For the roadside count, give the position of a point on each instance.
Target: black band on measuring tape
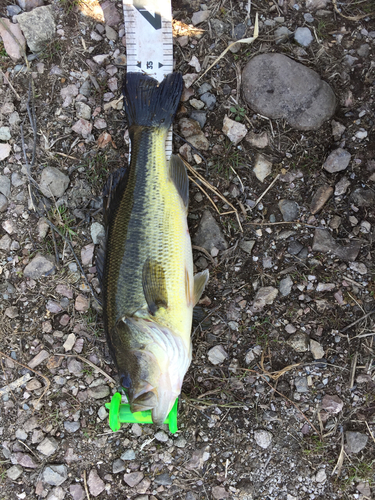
(155, 20)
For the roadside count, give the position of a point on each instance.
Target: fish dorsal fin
(154, 285)
(112, 193)
(100, 260)
(200, 281)
(113, 189)
(178, 174)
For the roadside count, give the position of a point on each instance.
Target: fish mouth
(162, 360)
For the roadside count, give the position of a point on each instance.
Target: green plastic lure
(121, 413)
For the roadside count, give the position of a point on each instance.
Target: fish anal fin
(179, 177)
(200, 281)
(154, 285)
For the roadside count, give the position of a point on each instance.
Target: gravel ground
(279, 137)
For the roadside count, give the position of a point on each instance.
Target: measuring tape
(149, 41)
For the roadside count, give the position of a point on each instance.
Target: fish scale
(156, 230)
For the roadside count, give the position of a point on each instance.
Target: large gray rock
(38, 26)
(278, 87)
(15, 472)
(355, 441)
(48, 446)
(209, 234)
(55, 474)
(337, 160)
(95, 483)
(5, 185)
(363, 197)
(324, 242)
(289, 210)
(53, 183)
(38, 267)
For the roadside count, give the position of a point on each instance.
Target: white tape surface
(149, 41)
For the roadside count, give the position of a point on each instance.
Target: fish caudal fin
(148, 103)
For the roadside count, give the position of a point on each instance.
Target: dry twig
(214, 190)
(204, 251)
(85, 483)
(371, 434)
(352, 370)
(91, 364)
(340, 460)
(48, 383)
(243, 40)
(351, 18)
(357, 321)
(10, 85)
(266, 191)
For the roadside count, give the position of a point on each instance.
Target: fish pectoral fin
(179, 177)
(200, 281)
(154, 285)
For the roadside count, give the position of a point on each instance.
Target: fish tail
(148, 103)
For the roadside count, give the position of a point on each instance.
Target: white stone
(196, 103)
(161, 436)
(265, 296)
(262, 168)
(342, 186)
(195, 64)
(97, 232)
(361, 134)
(325, 287)
(69, 342)
(321, 476)
(358, 267)
(303, 36)
(101, 59)
(316, 349)
(48, 446)
(5, 134)
(5, 150)
(365, 227)
(235, 131)
(217, 354)
(263, 438)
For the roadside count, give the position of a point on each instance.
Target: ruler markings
(149, 42)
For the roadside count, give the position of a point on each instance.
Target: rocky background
(279, 139)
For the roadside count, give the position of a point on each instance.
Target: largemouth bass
(148, 286)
